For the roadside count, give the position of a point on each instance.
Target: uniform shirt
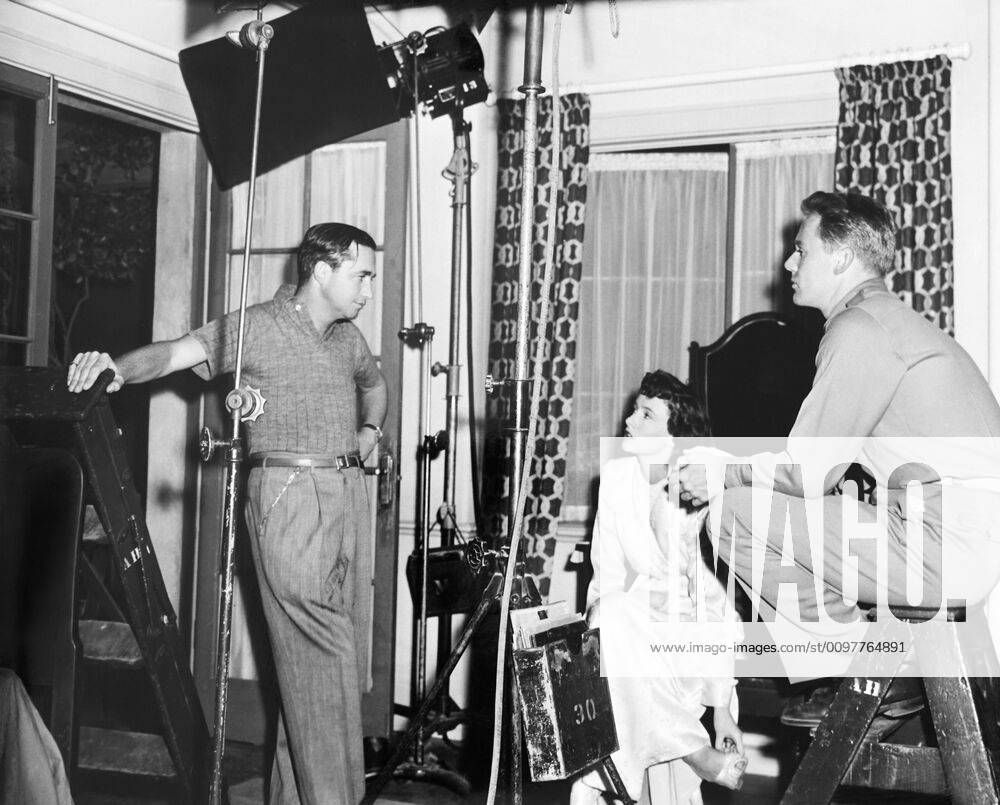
(883, 370)
(310, 380)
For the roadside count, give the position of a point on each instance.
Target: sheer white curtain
(772, 177)
(654, 274)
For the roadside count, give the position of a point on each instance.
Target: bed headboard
(755, 376)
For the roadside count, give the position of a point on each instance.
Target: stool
(963, 710)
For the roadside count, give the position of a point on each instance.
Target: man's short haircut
(687, 416)
(331, 243)
(857, 222)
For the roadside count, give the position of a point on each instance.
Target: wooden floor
(245, 766)
(245, 770)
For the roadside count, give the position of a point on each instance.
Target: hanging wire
(537, 377)
(477, 501)
(418, 270)
(389, 22)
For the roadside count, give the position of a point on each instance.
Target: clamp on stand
(248, 402)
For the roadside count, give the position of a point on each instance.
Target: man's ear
(321, 271)
(844, 259)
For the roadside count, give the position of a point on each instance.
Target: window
(27, 154)
(678, 246)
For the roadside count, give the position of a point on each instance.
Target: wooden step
(134, 753)
(109, 642)
(899, 768)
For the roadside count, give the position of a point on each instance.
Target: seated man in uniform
(882, 370)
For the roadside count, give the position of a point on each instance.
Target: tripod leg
(616, 781)
(416, 721)
(224, 648)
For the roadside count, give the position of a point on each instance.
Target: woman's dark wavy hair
(687, 414)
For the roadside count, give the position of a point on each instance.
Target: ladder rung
(110, 642)
(135, 753)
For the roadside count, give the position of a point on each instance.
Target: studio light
(442, 68)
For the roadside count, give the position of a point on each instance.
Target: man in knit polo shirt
(882, 370)
(306, 505)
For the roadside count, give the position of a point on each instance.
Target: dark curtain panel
(894, 144)
(549, 454)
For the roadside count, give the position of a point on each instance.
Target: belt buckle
(342, 462)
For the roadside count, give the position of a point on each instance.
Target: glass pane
(17, 151)
(348, 185)
(15, 274)
(267, 273)
(278, 208)
(12, 353)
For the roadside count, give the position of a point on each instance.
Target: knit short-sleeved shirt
(310, 380)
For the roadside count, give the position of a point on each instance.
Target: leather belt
(306, 460)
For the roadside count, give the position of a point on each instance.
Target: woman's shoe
(733, 768)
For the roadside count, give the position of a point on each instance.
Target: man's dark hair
(858, 222)
(687, 416)
(331, 243)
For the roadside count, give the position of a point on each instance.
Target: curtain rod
(961, 51)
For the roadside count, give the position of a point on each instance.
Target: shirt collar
(286, 301)
(284, 293)
(856, 295)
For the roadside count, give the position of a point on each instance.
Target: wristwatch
(376, 428)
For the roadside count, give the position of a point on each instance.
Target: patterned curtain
(895, 146)
(549, 455)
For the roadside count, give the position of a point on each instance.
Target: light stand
(420, 336)
(242, 404)
(438, 72)
(459, 170)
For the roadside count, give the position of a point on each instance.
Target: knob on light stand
(255, 34)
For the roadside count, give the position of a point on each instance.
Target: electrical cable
(391, 24)
(541, 337)
(477, 499)
(418, 270)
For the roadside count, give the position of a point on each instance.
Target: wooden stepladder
(44, 416)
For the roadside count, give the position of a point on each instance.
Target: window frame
(43, 91)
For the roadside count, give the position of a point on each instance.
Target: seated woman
(647, 566)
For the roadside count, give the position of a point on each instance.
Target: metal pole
(522, 385)
(459, 169)
(234, 402)
(531, 88)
